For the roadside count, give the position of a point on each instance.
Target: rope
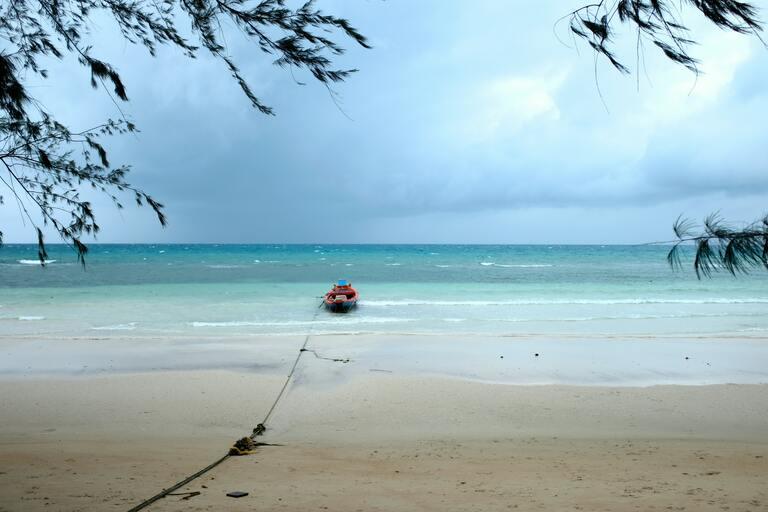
(285, 384)
(184, 482)
(257, 431)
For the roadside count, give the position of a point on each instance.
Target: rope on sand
(243, 446)
(184, 482)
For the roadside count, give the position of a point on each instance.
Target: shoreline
(580, 361)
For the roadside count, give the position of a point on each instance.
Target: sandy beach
(383, 256)
(366, 435)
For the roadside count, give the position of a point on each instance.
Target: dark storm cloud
(455, 127)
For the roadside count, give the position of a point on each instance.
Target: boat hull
(342, 297)
(340, 307)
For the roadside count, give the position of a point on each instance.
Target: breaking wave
(515, 265)
(618, 317)
(292, 323)
(531, 265)
(35, 262)
(118, 327)
(555, 302)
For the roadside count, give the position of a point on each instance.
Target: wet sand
(380, 440)
(595, 360)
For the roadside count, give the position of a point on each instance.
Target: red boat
(341, 298)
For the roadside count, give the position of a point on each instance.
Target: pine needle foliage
(658, 23)
(44, 164)
(719, 246)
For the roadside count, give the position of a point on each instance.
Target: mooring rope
(257, 431)
(144, 504)
(287, 380)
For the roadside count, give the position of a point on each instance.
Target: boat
(341, 298)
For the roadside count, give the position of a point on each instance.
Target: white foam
(615, 317)
(290, 323)
(224, 266)
(31, 318)
(547, 302)
(118, 327)
(514, 265)
(393, 264)
(531, 265)
(35, 262)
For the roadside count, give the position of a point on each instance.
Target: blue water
(217, 291)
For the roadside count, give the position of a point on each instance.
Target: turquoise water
(217, 291)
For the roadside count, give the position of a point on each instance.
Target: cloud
(681, 94)
(504, 106)
(456, 128)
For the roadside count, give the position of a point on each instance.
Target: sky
(468, 122)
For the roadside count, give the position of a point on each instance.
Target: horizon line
(91, 244)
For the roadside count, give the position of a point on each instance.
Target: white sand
(382, 434)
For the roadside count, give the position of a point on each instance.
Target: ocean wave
(31, 318)
(446, 266)
(118, 327)
(614, 317)
(35, 262)
(557, 302)
(291, 323)
(530, 265)
(224, 266)
(393, 264)
(514, 265)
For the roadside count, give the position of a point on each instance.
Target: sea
(187, 291)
